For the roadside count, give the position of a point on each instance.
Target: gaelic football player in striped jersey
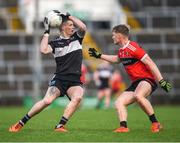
(67, 51)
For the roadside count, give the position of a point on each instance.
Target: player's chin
(116, 43)
(72, 32)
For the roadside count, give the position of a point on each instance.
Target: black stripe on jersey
(128, 61)
(69, 65)
(60, 42)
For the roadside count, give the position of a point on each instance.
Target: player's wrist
(46, 34)
(99, 55)
(160, 81)
(47, 31)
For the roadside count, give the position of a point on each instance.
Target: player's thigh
(52, 93)
(75, 92)
(143, 89)
(126, 98)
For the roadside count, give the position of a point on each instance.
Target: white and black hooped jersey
(104, 74)
(68, 57)
(105, 71)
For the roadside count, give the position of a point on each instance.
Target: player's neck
(125, 42)
(64, 35)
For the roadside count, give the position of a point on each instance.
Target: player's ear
(61, 27)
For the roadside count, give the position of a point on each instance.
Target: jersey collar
(126, 45)
(61, 37)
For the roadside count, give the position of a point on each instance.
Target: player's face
(117, 38)
(68, 28)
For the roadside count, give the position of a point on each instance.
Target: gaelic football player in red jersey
(143, 73)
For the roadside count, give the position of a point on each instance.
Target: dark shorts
(104, 83)
(133, 86)
(64, 85)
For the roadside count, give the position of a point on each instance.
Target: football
(54, 18)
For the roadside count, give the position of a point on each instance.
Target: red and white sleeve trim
(144, 57)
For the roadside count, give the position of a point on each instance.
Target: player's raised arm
(78, 23)
(44, 47)
(110, 58)
(157, 74)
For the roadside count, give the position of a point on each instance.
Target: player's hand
(57, 11)
(165, 85)
(46, 25)
(64, 15)
(94, 53)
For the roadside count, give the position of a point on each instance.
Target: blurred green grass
(90, 125)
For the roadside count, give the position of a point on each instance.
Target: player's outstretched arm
(110, 58)
(157, 74)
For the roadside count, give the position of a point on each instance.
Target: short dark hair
(122, 28)
(64, 20)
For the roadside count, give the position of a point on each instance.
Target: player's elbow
(83, 27)
(44, 50)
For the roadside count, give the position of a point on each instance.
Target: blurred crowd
(107, 80)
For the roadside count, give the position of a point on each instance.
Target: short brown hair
(122, 28)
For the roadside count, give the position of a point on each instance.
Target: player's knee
(138, 98)
(118, 104)
(77, 99)
(47, 101)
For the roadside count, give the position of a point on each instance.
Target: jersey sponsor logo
(58, 49)
(128, 61)
(60, 43)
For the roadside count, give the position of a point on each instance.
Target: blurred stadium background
(24, 72)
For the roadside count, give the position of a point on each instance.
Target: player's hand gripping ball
(54, 18)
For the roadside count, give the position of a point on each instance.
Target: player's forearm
(153, 68)
(78, 23)
(110, 58)
(44, 44)
(156, 72)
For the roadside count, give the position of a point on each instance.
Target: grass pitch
(89, 125)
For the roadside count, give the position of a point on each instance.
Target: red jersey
(131, 56)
